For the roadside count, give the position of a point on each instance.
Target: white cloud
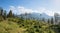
(24, 10)
(44, 10)
(20, 9)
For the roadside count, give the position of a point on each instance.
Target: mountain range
(35, 15)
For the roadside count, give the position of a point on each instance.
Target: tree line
(4, 14)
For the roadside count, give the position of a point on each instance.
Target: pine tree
(1, 11)
(52, 21)
(5, 14)
(48, 21)
(10, 14)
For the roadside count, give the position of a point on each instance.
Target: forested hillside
(10, 23)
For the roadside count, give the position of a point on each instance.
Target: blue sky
(40, 6)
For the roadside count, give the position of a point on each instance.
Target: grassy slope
(15, 25)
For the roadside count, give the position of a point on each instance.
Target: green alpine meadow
(29, 16)
(11, 23)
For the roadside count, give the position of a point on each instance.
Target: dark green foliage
(49, 31)
(35, 26)
(39, 26)
(37, 30)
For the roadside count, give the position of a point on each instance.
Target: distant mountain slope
(35, 15)
(44, 15)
